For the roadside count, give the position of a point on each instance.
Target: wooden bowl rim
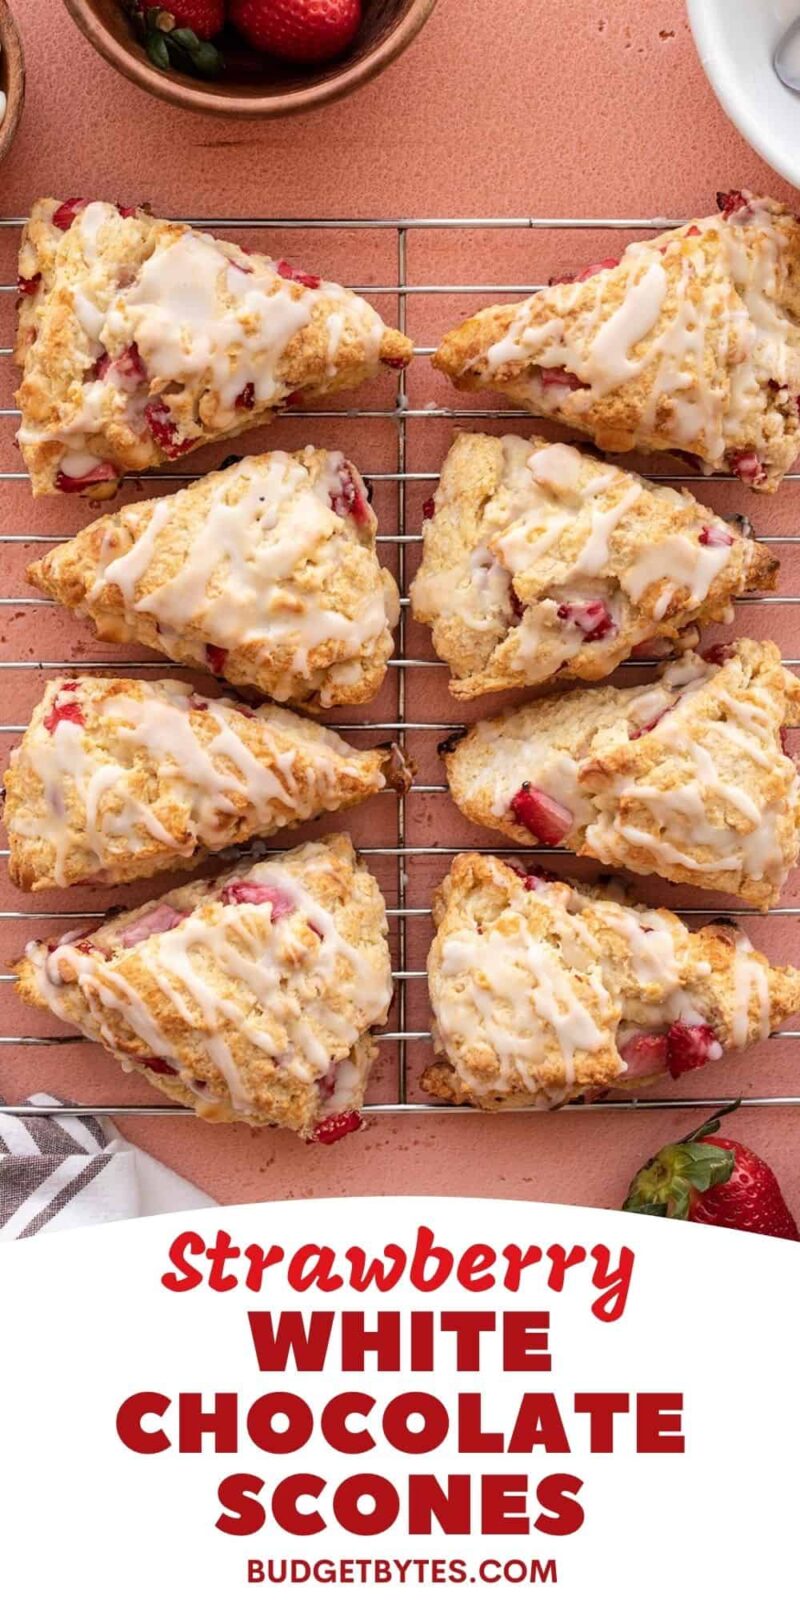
(278, 103)
(13, 74)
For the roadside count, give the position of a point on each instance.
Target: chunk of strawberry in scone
(592, 617)
(64, 710)
(745, 464)
(104, 473)
(165, 429)
(544, 817)
(349, 500)
(65, 214)
(159, 919)
(156, 1064)
(731, 201)
(716, 538)
(560, 378)
(309, 280)
(216, 657)
(336, 1127)
(645, 1055)
(28, 286)
(247, 893)
(689, 1046)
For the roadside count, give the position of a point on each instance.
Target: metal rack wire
(400, 414)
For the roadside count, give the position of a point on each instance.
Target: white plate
(736, 40)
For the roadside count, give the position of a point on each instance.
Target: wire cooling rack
(401, 490)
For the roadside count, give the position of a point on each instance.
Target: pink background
(501, 107)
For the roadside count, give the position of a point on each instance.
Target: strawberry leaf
(665, 1186)
(156, 46)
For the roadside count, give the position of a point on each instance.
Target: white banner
(399, 1394)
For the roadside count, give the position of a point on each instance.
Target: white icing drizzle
(514, 989)
(750, 982)
(686, 563)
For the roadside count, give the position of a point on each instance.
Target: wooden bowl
(12, 77)
(254, 85)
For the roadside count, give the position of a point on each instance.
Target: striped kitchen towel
(70, 1172)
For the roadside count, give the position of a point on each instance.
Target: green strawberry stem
(171, 47)
(665, 1185)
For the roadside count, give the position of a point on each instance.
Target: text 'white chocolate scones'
(248, 998)
(543, 991)
(686, 777)
(120, 778)
(689, 343)
(265, 574)
(542, 561)
(140, 339)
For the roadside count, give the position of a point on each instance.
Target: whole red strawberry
(206, 18)
(708, 1179)
(306, 31)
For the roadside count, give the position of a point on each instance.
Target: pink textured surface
(517, 107)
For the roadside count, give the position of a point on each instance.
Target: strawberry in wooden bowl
(252, 58)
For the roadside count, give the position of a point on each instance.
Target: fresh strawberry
(206, 18)
(544, 817)
(708, 1179)
(297, 30)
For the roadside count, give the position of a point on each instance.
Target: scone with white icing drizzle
(686, 777)
(542, 561)
(248, 998)
(265, 573)
(120, 778)
(689, 343)
(140, 339)
(544, 991)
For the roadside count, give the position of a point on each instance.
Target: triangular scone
(265, 574)
(248, 998)
(120, 778)
(140, 339)
(541, 561)
(689, 343)
(686, 777)
(544, 991)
